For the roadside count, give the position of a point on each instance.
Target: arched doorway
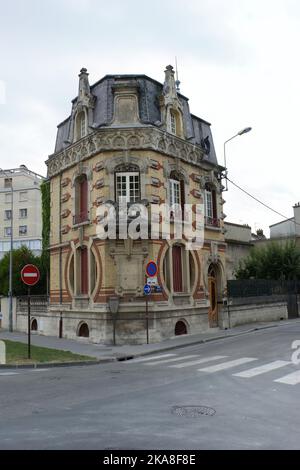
(83, 331)
(34, 325)
(180, 328)
(213, 296)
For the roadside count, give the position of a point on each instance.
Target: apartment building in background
(25, 210)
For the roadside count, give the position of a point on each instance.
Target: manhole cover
(193, 411)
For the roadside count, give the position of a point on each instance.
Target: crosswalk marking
(290, 379)
(9, 373)
(198, 361)
(173, 359)
(227, 365)
(151, 358)
(262, 369)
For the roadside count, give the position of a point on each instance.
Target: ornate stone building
(129, 137)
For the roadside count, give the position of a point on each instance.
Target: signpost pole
(29, 342)
(147, 319)
(114, 329)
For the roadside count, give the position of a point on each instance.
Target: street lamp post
(10, 254)
(243, 131)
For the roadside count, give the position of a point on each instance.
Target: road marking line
(199, 361)
(290, 379)
(40, 370)
(9, 373)
(262, 369)
(165, 361)
(144, 359)
(227, 365)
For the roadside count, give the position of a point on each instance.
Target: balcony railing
(80, 218)
(212, 222)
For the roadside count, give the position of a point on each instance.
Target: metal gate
(292, 305)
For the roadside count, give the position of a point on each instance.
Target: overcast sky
(238, 64)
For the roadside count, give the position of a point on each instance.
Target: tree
(45, 191)
(21, 257)
(274, 261)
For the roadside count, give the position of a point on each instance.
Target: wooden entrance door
(213, 299)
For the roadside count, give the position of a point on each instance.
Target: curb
(128, 357)
(194, 343)
(52, 365)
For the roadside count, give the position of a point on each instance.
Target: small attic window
(81, 125)
(173, 123)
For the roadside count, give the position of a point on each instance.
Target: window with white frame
(23, 213)
(22, 230)
(7, 182)
(7, 215)
(7, 231)
(82, 125)
(127, 186)
(174, 187)
(209, 204)
(173, 122)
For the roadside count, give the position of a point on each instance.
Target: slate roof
(196, 129)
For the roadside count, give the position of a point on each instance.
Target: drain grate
(192, 411)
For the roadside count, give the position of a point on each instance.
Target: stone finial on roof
(84, 92)
(169, 84)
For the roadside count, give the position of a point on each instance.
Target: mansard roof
(149, 93)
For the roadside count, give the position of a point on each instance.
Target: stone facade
(133, 127)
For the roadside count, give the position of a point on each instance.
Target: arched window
(34, 325)
(83, 274)
(175, 123)
(180, 328)
(83, 331)
(179, 269)
(81, 128)
(83, 262)
(81, 199)
(127, 184)
(211, 213)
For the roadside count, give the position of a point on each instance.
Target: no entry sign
(30, 275)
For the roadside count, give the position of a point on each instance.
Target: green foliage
(21, 257)
(274, 261)
(45, 191)
(17, 354)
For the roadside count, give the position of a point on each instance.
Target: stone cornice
(126, 139)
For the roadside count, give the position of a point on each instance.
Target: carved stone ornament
(102, 140)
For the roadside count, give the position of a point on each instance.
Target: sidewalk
(110, 353)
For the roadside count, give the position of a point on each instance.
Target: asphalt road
(238, 393)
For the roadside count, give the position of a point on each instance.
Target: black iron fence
(261, 288)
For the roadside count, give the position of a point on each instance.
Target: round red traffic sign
(30, 275)
(151, 269)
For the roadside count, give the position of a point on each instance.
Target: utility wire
(260, 202)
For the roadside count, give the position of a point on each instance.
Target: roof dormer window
(82, 125)
(173, 123)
